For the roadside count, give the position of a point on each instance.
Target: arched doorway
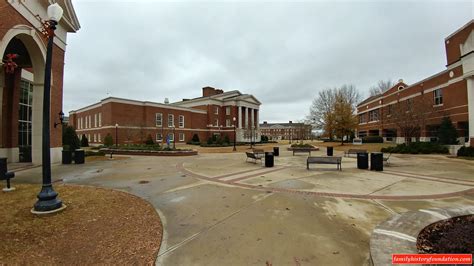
(21, 96)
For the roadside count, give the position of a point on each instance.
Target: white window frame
(90, 121)
(181, 136)
(216, 121)
(374, 115)
(100, 120)
(159, 137)
(98, 138)
(171, 136)
(216, 110)
(158, 115)
(438, 96)
(181, 121)
(95, 138)
(227, 110)
(95, 120)
(227, 123)
(170, 121)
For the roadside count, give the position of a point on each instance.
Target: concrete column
(246, 117)
(252, 111)
(240, 117)
(470, 102)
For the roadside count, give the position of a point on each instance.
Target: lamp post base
(8, 189)
(47, 200)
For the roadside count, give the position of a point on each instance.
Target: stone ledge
(399, 233)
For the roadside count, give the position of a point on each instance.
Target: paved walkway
(217, 209)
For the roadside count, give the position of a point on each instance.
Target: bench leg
(307, 166)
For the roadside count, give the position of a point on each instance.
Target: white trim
(154, 128)
(410, 96)
(135, 102)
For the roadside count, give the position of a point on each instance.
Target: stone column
(240, 117)
(470, 103)
(246, 117)
(252, 111)
(257, 112)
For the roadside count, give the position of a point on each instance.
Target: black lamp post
(47, 198)
(61, 119)
(235, 135)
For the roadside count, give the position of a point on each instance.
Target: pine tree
(447, 133)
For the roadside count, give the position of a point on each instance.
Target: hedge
(466, 151)
(372, 139)
(417, 148)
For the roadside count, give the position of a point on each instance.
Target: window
(438, 96)
(159, 119)
(159, 137)
(95, 120)
(216, 110)
(100, 121)
(90, 121)
(216, 122)
(227, 123)
(170, 120)
(227, 110)
(362, 118)
(390, 109)
(181, 121)
(171, 136)
(95, 137)
(374, 115)
(98, 136)
(181, 136)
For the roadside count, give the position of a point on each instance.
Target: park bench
(302, 150)
(353, 151)
(386, 158)
(258, 152)
(253, 156)
(325, 160)
(4, 174)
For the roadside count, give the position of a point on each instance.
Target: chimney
(167, 101)
(264, 122)
(291, 122)
(209, 91)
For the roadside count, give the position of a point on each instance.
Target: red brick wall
(453, 53)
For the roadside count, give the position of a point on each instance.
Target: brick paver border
(180, 167)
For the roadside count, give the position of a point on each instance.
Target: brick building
(447, 93)
(21, 90)
(211, 114)
(286, 131)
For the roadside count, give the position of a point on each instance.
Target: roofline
(460, 29)
(135, 102)
(206, 97)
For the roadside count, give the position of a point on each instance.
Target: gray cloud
(281, 52)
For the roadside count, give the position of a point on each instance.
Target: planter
(151, 152)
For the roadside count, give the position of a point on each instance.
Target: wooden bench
(386, 158)
(353, 151)
(4, 174)
(251, 155)
(325, 160)
(259, 152)
(301, 150)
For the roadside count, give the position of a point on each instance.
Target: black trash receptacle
(269, 159)
(329, 151)
(79, 156)
(362, 160)
(376, 161)
(67, 157)
(276, 151)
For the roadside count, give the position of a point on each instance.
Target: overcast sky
(281, 52)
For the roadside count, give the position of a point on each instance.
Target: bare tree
(381, 87)
(345, 119)
(410, 116)
(323, 115)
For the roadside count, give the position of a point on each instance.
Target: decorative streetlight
(174, 138)
(47, 198)
(116, 136)
(61, 119)
(235, 135)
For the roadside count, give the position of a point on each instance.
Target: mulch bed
(99, 226)
(455, 235)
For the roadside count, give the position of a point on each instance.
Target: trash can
(362, 160)
(79, 156)
(269, 159)
(329, 151)
(67, 157)
(376, 161)
(276, 151)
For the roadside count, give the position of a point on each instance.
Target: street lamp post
(174, 139)
(116, 136)
(235, 135)
(47, 198)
